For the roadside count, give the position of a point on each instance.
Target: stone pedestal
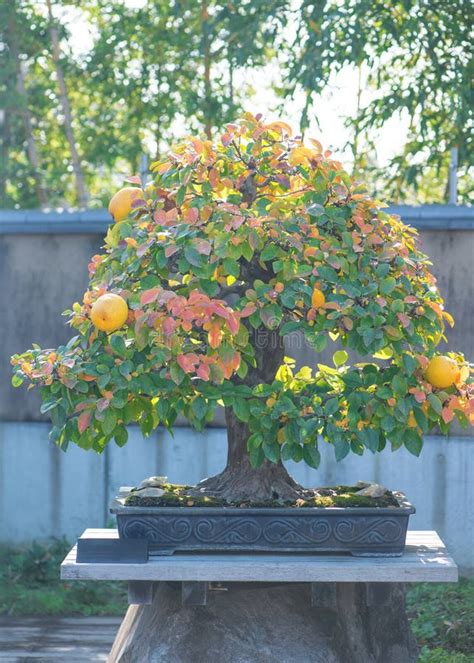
(342, 622)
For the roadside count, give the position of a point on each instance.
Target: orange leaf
(447, 415)
(214, 336)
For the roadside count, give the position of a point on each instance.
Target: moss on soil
(338, 496)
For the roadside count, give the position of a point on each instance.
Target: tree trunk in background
(5, 143)
(206, 48)
(24, 110)
(81, 191)
(239, 480)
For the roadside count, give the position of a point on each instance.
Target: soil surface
(337, 496)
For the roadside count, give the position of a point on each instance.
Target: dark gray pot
(372, 531)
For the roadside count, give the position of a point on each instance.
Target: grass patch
(30, 585)
(441, 615)
(442, 620)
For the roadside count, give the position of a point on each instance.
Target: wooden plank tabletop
(425, 560)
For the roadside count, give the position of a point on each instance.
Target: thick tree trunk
(81, 190)
(239, 480)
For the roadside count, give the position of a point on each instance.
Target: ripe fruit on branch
(317, 298)
(121, 203)
(109, 312)
(442, 372)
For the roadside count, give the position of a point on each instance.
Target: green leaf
(296, 453)
(121, 436)
(256, 456)
(272, 451)
(193, 256)
(180, 195)
(109, 422)
(318, 343)
(289, 327)
(387, 285)
(241, 409)
(341, 449)
(421, 419)
(413, 442)
(315, 209)
(177, 374)
(311, 456)
(370, 438)
(199, 407)
(17, 380)
(254, 441)
(118, 344)
(286, 452)
(382, 270)
(269, 252)
(231, 267)
(162, 408)
(435, 403)
(331, 406)
(339, 358)
(410, 363)
(48, 405)
(399, 385)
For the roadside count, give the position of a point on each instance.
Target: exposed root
(269, 482)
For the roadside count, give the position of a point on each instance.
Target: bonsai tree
(237, 245)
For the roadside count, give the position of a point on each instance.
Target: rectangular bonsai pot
(360, 531)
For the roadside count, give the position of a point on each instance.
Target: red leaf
(170, 250)
(84, 420)
(248, 310)
(203, 247)
(191, 215)
(232, 324)
(420, 396)
(169, 326)
(187, 362)
(203, 372)
(134, 179)
(159, 216)
(102, 404)
(213, 177)
(149, 296)
(404, 319)
(447, 415)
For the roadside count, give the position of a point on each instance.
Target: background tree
(416, 64)
(142, 75)
(66, 108)
(240, 243)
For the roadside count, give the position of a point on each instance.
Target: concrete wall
(45, 492)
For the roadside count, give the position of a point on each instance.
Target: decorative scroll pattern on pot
(267, 532)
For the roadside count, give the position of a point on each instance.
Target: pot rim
(405, 508)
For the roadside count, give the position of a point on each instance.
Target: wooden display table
(282, 608)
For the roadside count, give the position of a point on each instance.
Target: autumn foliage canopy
(254, 233)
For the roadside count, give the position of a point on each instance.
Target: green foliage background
(144, 72)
